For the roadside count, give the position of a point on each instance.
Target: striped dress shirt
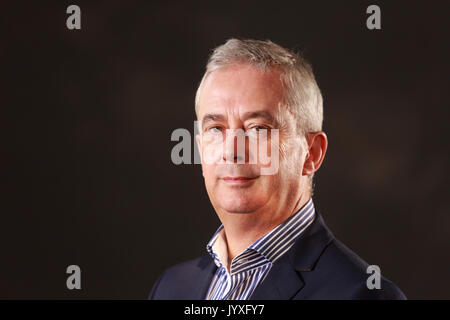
(249, 268)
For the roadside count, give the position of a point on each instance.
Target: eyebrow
(260, 114)
(213, 117)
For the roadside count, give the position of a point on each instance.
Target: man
(273, 243)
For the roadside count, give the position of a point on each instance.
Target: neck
(243, 229)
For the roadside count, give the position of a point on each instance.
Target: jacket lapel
(206, 269)
(284, 280)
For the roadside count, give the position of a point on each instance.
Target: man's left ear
(317, 147)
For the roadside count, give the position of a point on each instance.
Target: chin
(240, 204)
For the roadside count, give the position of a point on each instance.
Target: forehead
(241, 88)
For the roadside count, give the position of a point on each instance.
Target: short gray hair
(302, 96)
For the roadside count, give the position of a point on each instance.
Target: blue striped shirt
(249, 268)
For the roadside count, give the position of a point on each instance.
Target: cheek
(292, 157)
(208, 171)
(212, 149)
(268, 184)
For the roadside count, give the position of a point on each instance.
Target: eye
(215, 129)
(258, 128)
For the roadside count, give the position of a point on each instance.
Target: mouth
(238, 180)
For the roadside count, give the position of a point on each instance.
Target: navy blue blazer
(317, 266)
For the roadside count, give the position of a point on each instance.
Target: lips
(238, 180)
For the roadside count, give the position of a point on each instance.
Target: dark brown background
(87, 117)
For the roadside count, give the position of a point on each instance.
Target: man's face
(242, 97)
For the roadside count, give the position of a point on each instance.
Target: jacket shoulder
(178, 281)
(342, 274)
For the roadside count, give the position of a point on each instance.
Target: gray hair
(302, 94)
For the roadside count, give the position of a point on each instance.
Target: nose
(234, 150)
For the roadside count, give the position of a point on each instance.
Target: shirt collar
(271, 246)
